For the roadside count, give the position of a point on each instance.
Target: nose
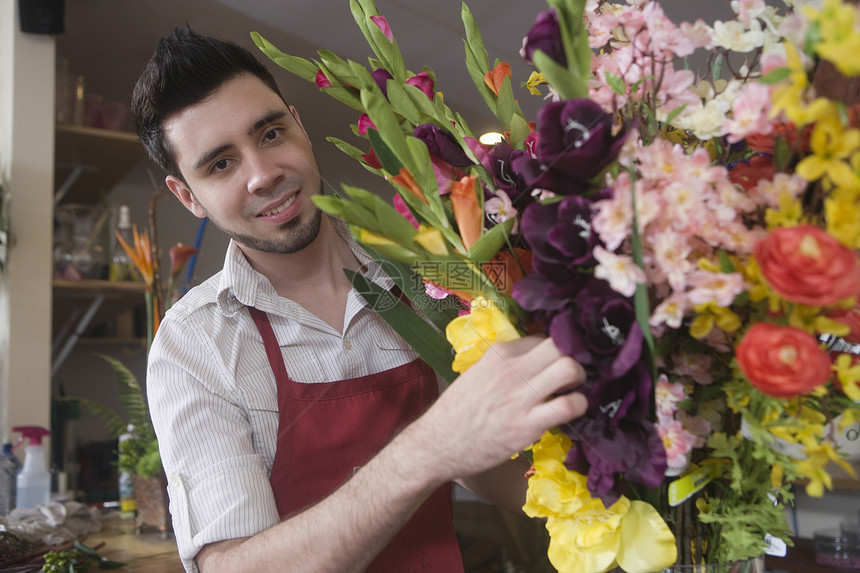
(263, 172)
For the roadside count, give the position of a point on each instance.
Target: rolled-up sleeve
(218, 481)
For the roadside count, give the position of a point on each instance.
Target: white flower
(733, 36)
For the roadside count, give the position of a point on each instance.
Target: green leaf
(616, 83)
(782, 153)
(568, 85)
(489, 243)
(475, 72)
(519, 130)
(717, 67)
(429, 343)
(507, 107)
(293, 64)
(346, 148)
(386, 157)
(402, 103)
(474, 41)
(346, 96)
(675, 113)
(389, 223)
(775, 76)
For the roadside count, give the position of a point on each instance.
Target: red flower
(797, 139)
(804, 264)
(782, 361)
(748, 174)
(371, 159)
(179, 255)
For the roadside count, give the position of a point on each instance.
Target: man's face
(248, 165)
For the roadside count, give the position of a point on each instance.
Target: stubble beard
(298, 234)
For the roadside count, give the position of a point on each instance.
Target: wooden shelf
(89, 162)
(71, 299)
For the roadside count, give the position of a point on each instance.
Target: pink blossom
(667, 395)
(748, 9)
(696, 425)
(719, 288)
(750, 113)
(677, 441)
(664, 34)
(670, 311)
(434, 291)
(772, 61)
(767, 192)
(445, 173)
(698, 32)
(619, 271)
(382, 24)
(500, 208)
(671, 250)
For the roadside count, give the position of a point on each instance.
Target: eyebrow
(259, 124)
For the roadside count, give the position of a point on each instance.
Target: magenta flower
(423, 82)
(545, 36)
(321, 80)
(365, 123)
(382, 24)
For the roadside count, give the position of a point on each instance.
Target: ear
(185, 196)
(295, 114)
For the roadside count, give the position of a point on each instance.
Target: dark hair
(186, 68)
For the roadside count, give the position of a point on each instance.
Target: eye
(273, 134)
(219, 166)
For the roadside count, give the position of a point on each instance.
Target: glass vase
(751, 565)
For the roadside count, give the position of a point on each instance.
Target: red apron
(327, 430)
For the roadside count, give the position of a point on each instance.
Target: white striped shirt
(213, 399)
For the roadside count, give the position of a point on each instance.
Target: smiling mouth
(279, 208)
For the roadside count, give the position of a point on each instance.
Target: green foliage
(76, 559)
(138, 453)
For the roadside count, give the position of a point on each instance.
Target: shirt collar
(240, 285)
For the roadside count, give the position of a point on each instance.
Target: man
(296, 427)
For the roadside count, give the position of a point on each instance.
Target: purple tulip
(423, 82)
(576, 138)
(442, 144)
(498, 163)
(601, 453)
(381, 77)
(561, 231)
(545, 36)
(535, 175)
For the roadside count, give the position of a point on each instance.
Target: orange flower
(804, 264)
(782, 361)
(467, 210)
(406, 181)
(504, 270)
(496, 76)
(140, 254)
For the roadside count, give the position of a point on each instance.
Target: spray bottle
(9, 468)
(34, 480)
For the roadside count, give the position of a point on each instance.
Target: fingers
(559, 410)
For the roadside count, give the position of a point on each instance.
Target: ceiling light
(491, 138)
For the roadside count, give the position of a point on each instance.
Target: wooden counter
(146, 552)
(801, 559)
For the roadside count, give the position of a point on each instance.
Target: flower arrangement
(691, 240)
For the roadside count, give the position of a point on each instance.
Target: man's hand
(499, 406)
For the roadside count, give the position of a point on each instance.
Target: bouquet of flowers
(690, 239)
